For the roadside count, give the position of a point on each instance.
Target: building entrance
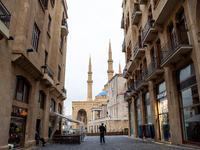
(163, 113)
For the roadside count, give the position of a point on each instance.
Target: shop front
(163, 113)
(17, 127)
(189, 104)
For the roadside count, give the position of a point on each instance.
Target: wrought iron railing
(125, 95)
(178, 39)
(140, 80)
(137, 46)
(152, 67)
(136, 8)
(124, 71)
(123, 44)
(131, 87)
(47, 70)
(147, 26)
(64, 90)
(4, 15)
(64, 23)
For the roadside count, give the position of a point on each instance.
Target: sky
(91, 24)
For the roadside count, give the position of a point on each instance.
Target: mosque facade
(90, 110)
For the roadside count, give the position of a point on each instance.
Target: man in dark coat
(37, 137)
(102, 130)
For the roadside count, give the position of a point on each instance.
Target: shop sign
(164, 106)
(19, 111)
(162, 95)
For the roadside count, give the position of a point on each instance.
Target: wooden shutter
(158, 49)
(128, 54)
(131, 80)
(140, 41)
(155, 3)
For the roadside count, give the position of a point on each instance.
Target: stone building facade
(161, 46)
(114, 114)
(33, 40)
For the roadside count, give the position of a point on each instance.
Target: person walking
(102, 130)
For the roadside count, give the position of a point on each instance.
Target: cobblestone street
(112, 143)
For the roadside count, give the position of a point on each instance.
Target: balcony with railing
(64, 27)
(138, 50)
(153, 70)
(64, 95)
(164, 12)
(124, 72)
(130, 65)
(144, 2)
(4, 22)
(48, 75)
(137, 14)
(124, 46)
(128, 93)
(176, 48)
(131, 89)
(140, 82)
(122, 21)
(149, 32)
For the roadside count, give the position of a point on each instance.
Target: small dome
(103, 93)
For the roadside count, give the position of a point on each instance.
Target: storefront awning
(193, 119)
(65, 117)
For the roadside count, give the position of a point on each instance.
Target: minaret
(120, 68)
(89, 81)
(110, 63)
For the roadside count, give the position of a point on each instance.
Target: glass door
(164, 120)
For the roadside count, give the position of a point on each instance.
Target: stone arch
(82, 116)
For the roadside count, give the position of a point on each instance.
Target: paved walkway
(112, 143)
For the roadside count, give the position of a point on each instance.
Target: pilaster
(154, 109)
(173, 106)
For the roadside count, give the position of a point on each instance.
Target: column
(142, 108)
(45, 128)
(154, 109)
(135, 132)
(129, 120)
(173, 106)
(93, 115)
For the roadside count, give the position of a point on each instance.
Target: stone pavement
(112, 143)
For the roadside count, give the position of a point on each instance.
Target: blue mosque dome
(103, 93)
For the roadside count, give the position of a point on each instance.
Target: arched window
(59, 108)
(21, 89)
(41, 100)
(52, 105)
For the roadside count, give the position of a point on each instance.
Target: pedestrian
(37, 137)
(102, 130)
